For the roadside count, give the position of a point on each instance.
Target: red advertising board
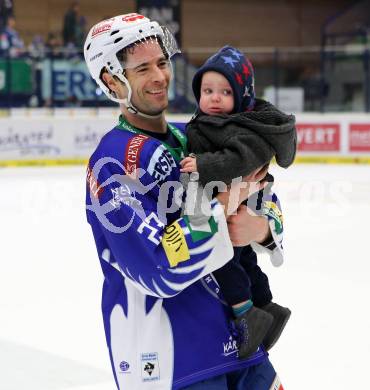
(318, 137)
(359, 137)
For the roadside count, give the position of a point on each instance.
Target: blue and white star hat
(237, 69)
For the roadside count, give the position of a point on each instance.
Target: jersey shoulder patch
(161, 164)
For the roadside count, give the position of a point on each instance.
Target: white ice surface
(51, 331)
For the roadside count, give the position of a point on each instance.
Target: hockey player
(166, 326)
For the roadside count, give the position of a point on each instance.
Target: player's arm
(159, 258)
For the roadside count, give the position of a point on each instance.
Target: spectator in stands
(6, 10)
(10, 40)
(53, 46)
(74, 28)
(36, 48)
(80, 32)
(70, 23)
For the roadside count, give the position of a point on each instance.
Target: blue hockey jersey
(165, 321)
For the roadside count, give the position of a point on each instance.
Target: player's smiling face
(149, 74)
(216, 94)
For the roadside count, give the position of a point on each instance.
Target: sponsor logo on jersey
(276, 384)
(272, 210)
(132, 153)
(150, 367)
(124, 366)
(230, 347)
(161, 164)
(174, 244)
(93, 184)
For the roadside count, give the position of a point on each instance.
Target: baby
(233, 134)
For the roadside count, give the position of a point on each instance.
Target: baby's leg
(252, 323)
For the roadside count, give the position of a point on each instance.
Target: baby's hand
(188, 164)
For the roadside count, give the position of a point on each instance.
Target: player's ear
(115, 85)
(109, 81)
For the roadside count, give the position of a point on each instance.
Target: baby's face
(216, 94)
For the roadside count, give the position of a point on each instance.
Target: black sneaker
(253, 326)
(281, 316)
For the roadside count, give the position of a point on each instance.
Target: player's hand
(257, 175)
(240, 191)
(188, 164)
(245, 227)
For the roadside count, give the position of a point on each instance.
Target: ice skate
(281, 316)
(253, 326)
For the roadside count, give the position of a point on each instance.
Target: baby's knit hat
(237, 69)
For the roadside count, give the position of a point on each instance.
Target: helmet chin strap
(133, 110)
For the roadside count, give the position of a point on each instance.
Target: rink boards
(68, 136)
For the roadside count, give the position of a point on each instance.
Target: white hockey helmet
(108, 37)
